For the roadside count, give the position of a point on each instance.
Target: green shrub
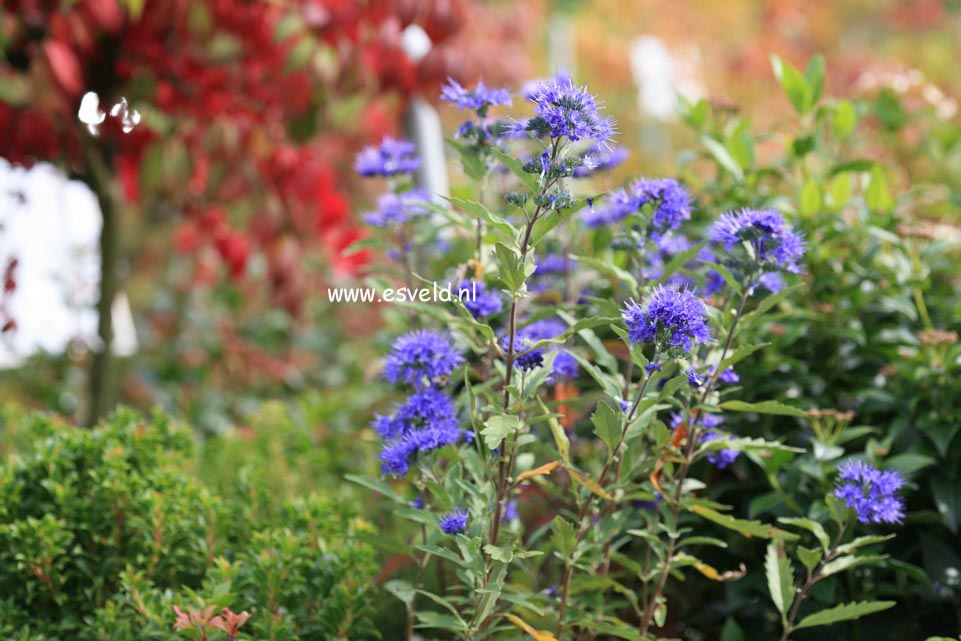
(103, 532)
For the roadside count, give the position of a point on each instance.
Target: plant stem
(98, 179)
(689, 451)
(583, 523)
(812, 578)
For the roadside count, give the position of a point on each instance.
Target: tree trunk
(97, 177)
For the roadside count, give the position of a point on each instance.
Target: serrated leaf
(503, 554)
(780, 578)
(765, 407)
(497, 428)
(608, 424)
(844, 612)
(480, 211)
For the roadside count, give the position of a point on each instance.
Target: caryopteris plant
(563, 416)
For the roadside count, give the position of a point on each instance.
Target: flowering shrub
(557, 454)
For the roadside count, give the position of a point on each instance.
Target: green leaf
(377, 485)
(813, 527)
(731, 631)
(840, 190)
(809, 557)
(480, 211)
(678, 262)
(497, 428)
(503, 554)
(814, 74)
(845, 119)
(695, 115)
(861, 541)
(608, 423)
(947, 498)
(746, 528)
(561, 441)
(843, 563)
(795, 85)
(780, 578)
(740, 354)
(510, 268)
(401, 589)
(563, 537)
(878, 196)
(844, 612)
(723, 157)
(765, 407)
(811, 200)
(516, 167)
(548, 222)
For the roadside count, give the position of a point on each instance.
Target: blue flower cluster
(670, 204)
(478, 99)
(599, 158)
(390, 158)
(710, 423)
(455, 522)
(872, 493)
(776, 246)
(675, 320)
(427, 419)
(549, 271)
(421, 358)
(478, 300)
(393, 210)
(562, 109)
(528, 358)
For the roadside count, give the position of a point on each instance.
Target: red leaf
(65, 66)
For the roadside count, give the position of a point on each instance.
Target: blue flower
(478, 300)
(565, 366)
(526, 337)
(562, 109)
(510, 512)
(454, 522)
(670, 204)
(396, 209)
(479, 99)
(426, 408)
(723, 457)
(673, 319)
(390, 158)
(776, 245)
(421, 358)
(599, 158)
(871, 492)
